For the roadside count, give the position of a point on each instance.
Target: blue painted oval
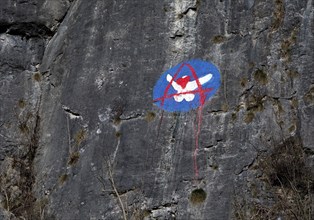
(175, 90)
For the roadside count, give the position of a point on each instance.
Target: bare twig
(110, 173)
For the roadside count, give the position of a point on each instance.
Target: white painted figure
(183, 86)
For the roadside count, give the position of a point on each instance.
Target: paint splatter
(185, 87)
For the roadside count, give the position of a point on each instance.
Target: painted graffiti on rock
(185, 87)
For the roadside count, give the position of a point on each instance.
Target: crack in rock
(26, 29)
(72, 114)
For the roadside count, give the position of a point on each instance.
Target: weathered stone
(77, 80)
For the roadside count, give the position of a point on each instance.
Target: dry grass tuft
(198, 196)
(286, 187)
(74, 157)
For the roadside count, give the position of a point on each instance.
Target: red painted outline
(169, 84)
(200, 89)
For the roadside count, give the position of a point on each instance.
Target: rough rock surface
(80, 137)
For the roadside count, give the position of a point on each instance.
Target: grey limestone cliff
(81, 138)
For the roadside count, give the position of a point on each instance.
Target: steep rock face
(95, 145)
(25, 29)
(40, 12)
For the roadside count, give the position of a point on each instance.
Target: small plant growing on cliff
(218, 39)
(21, 103)
(80, 136)
(37, 77)
(74, 157)
(17, 180)
(63, 178)
(261, 77)
(150, 116)
(102, 180)
(198, 196)
(289, 183)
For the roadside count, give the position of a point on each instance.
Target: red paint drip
(197, 134)
(199, 118)
(159, 126)
(201, 92)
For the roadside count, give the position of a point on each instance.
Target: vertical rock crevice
(22, 45)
